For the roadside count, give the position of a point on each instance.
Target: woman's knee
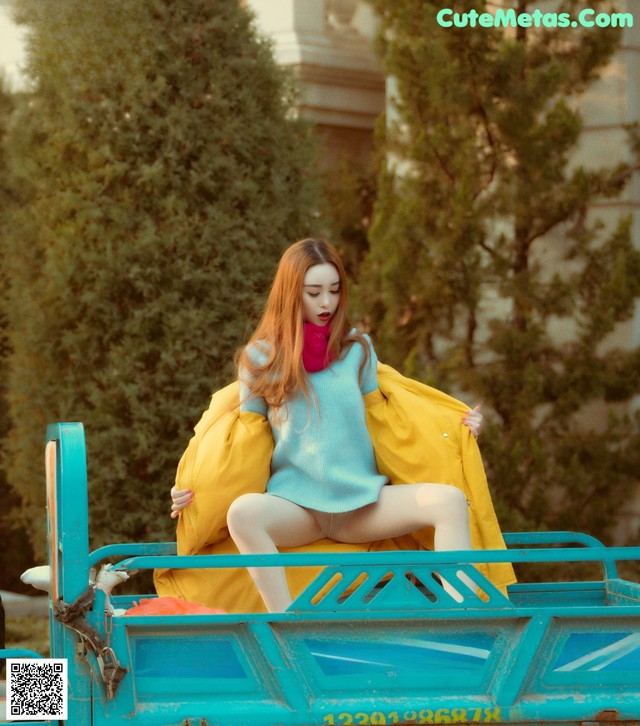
(244, 512)
(449, 501)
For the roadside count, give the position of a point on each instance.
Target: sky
(11, 48)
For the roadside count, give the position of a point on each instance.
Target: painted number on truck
(425, 715)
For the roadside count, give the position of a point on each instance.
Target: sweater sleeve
(248, 401)
(369, 378)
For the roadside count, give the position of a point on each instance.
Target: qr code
(37, 688)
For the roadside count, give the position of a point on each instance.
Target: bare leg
(405, 508)
(259, 524)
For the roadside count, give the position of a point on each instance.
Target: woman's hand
(180, 498)
(473, 419)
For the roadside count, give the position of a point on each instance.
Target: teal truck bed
(374, 640)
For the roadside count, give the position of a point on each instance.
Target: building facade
(329, 46)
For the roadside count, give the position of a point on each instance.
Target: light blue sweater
(323, 457)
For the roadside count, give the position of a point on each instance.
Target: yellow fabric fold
(233, 589)
(229, 455)
(417, 436)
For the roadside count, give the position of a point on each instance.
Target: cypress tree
(15, 554)
(5, 196)
(489, 272)
(163, 172)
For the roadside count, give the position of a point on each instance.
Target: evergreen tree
(163, 173)
(489, 273)
(348, 194)
(15, 554)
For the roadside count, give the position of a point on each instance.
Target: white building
(329, 45)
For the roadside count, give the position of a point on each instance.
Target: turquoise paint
(395, 648)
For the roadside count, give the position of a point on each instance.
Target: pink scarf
(316, 342)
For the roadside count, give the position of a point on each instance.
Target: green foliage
(30, 633)
(160, 173)
(488, 273)
(15, 553)
(348, 197)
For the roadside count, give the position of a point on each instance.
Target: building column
(329, 46)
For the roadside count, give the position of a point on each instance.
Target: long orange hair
(279, 335)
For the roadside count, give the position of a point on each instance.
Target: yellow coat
(417, 436)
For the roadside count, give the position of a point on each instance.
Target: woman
(306, 370)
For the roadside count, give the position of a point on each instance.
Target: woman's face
(320, 293)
